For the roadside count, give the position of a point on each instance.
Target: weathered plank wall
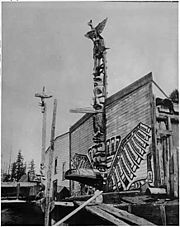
(81, 137)
(167, 133)
(124, 114)
(61, 154)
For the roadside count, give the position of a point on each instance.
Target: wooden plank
(70, 154)
(14, 184)
(18, 190)
(164, 132)
(163, 214)
(156, 191)
(77, 198)
(12, 201)
(171, 174)
(176, 173)
(78, 209)
(60, 203)
(164, 116)
(155, 154)
(126, 216)
(161, 163)
(151, 211)
(171, 168)
(104, 215)
(167, 146)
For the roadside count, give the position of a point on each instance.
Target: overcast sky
(44, 45)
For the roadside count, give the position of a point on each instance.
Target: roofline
(80, 121)
(55, 140)
(130, 88)
(118, 95)
(61, 135)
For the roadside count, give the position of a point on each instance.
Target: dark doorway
(55, 190)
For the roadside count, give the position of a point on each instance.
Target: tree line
(19, 169)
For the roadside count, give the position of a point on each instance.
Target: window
(63, 170)
(55, 166)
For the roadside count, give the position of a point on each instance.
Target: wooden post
(49, 172)
(167, 147)
(154, 138)
(70, 182)
(43, 96)
(43, 135)
(161, 164)
(163, 214)
(171, 168)
(18, 190)
(176, 174)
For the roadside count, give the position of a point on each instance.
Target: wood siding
(61, 154)
(81, 138)
(124, 114)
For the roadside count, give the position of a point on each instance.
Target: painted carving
(112, 145)
(98, 128)
(97, 152)
(131, 152)
(80, 161)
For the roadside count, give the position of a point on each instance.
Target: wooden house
(141, 140)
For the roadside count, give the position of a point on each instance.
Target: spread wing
(129, 155)
(99, 28)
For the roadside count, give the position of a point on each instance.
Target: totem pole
(43, 96)
(98, 151)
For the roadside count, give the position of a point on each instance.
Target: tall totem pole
(98, 152)
(43, 96)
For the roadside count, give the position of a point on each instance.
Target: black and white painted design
(127, 160)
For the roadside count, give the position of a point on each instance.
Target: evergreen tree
(13, 171)
(32, 166)
(174, 96)
(21, 168)
(18, 167)
(31, 170)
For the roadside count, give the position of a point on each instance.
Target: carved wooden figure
(98, 153)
